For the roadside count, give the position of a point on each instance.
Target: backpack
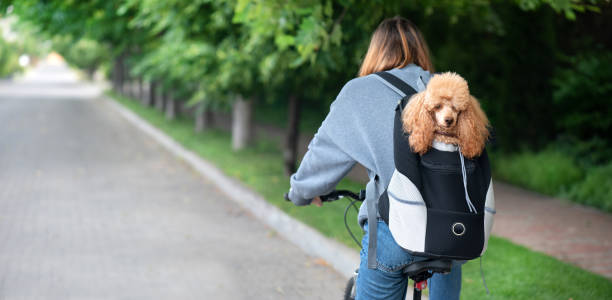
(440, 204)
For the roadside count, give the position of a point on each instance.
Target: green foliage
(582, 92)
(9, 58)
(549, 171)
(26, 43)
(84, 53)
(300, 29)
(508, 65)
(560, 171)
(587, 152)
(537, 85)
(567, 7)
(96, 19)
(596, 189)
(208, 63)
(87, 54)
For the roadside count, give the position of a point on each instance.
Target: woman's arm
(323, 166)
(350, 133)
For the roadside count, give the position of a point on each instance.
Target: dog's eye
(437, 106)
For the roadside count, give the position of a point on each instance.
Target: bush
(596, 189)
(588, 153)
(556, 172)
(549, 172)
(83, 53)
(9, 58)
(582, 92)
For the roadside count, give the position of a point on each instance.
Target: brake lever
(333, 196)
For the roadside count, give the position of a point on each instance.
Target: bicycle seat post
(420, 271)
(417, 294)
(418, 289)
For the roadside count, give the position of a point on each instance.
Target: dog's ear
(418, 123)
(472, 130)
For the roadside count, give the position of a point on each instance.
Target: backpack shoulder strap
(405, 90)
(396, 83)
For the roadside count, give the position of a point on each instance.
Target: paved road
(91, 208)
(570, 232)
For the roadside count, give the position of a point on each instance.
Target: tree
(300, 52)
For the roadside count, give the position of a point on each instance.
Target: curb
(342, 258)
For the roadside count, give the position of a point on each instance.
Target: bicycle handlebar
(338, 194)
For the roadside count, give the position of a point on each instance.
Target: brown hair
(395, 44)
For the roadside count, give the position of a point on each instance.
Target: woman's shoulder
(364, 94)
(413, 75)
(359, 93)
(360, 85)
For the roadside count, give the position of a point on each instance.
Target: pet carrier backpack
(439, 204)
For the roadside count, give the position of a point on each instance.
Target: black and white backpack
(440, 204)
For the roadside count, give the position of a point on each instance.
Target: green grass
(512, 272)
(515, 272)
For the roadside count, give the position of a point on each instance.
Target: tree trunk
(90, 73)
(203, 118)
(118, 78)
(125, 85)
(161, 99)
(141, 96)
(179, 108)
(242, 127)
(170, 108)
(132, 90)
(144, 93)
(152, 93)
(293, 134)
(114, 75)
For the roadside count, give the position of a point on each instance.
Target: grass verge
(555, 173)
(512, 272)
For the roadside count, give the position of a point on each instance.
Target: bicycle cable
(352, 203)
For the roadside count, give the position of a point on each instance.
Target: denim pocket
(390, 257)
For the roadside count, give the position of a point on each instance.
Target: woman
(359, 129)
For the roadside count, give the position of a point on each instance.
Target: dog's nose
(448, 121)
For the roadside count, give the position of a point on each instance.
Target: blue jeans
(388, 281)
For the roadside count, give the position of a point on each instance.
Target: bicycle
(418, 271)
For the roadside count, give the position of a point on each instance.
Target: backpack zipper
(447, 168)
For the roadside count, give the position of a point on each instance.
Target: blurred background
(540, 68)
(243, 80)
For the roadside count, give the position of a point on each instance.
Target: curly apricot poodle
(445, 111)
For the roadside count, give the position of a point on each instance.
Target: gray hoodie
(358, 129)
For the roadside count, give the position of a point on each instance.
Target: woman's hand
(317, 201)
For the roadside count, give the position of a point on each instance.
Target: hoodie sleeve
(326, 162)
(323, 166)
(354, 130)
